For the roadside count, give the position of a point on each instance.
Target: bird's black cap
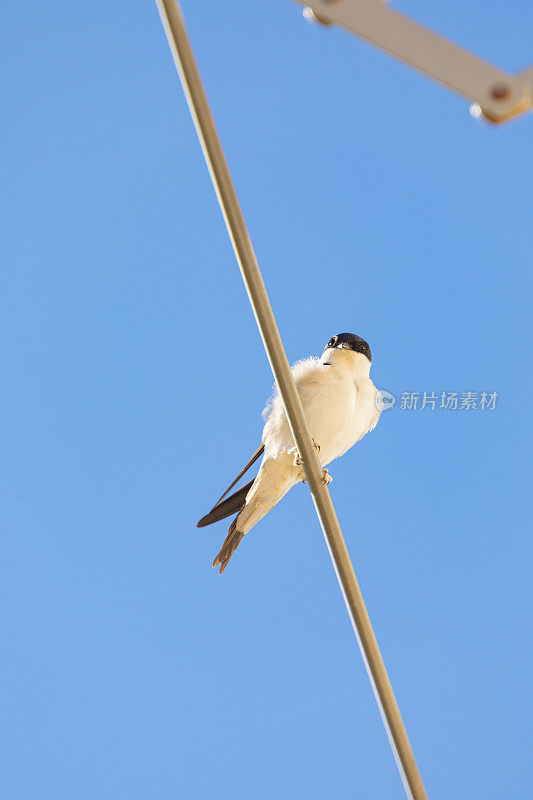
(350, 341)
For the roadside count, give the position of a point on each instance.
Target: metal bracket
(496, 95)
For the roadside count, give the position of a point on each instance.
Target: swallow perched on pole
(341, 405)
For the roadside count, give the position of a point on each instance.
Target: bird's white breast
(340, 408)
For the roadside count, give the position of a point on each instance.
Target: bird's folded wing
(224, 508)
(227, 507)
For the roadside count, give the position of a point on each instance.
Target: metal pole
(205, 127)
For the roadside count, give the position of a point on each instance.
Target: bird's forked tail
(230, 544)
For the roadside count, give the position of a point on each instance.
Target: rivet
(500, 91)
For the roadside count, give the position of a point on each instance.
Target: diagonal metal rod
(205, 127)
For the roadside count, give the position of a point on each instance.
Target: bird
(341, 405)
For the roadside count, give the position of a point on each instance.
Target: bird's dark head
(350, 341)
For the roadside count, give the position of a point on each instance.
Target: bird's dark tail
(230, 544)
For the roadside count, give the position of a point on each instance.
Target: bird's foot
(326, 478)
(297, 462)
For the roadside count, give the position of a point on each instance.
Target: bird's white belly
(337, 419)
(339, 411)
(335, 426)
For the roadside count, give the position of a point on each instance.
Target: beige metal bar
(497, 95)
(183, 56)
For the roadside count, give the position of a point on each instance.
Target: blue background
(134, 377)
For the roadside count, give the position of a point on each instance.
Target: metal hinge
(496, 95)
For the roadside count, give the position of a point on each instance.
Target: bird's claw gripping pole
(190, 78)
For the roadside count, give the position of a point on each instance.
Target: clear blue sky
(134, 378)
